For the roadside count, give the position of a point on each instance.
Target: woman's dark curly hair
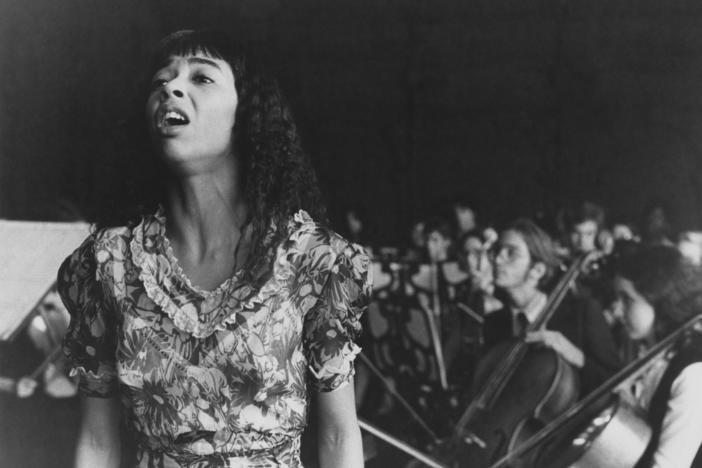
(277, 176)
(670, 285)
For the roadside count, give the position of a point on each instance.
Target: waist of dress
(285, 453)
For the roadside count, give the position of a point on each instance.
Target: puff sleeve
(89, 343)
(333, 323)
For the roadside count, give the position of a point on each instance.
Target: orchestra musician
(656, 293)
(474, 258)
(438, 241)
(584, 225)
(524, 262)
(586, 233)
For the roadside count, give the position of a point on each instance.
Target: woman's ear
(537, 271)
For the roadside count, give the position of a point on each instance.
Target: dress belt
(217, 459)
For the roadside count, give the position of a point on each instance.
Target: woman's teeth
(174, 118)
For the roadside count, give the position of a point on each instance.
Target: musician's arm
(99, 439)
(559, 343)
(601, 356)
(681, 433)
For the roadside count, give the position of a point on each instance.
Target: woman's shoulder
(315, 246)
(107, 239)
(100, 244)
(109, 235)
(314, 236)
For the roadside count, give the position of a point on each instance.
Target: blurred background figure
(475, 259)
(438, 240)
(46, 331)
(656, 227)
(465, 218)
(584, 224)
(417, 243)
(355, 226)
(623, 230)
(690, 246)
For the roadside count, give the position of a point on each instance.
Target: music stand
(30, 255)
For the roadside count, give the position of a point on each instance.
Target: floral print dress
(213, 378)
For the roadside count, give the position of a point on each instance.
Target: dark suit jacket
(580, 320)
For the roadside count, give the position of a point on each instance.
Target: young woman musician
(657, 292)
(209, 322)
(524, 262)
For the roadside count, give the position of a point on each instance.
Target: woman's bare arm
(99, 440)
(339, 434)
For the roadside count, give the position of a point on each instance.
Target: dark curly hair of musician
(277, 176)
(664, 279)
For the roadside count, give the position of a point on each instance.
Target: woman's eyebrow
(204, 61)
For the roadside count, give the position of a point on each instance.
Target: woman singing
(207, 323)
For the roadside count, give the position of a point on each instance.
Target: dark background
(403, 104)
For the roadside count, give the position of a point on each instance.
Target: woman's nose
(172, 89)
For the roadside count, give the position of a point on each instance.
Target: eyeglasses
(509, 253)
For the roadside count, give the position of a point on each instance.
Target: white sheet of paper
(30, 255)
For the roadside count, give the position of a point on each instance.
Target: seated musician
(438, 241)
(586, 231)
(524, 263)
(584, 224)
(474, 259)
(657, 292)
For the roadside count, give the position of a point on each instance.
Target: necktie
(522, 322)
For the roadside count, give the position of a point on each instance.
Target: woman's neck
(205, 212)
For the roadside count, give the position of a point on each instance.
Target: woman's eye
(203, 79)
(157, 83)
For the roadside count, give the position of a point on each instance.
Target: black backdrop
(402, 104)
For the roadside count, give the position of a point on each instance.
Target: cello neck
(559, 292)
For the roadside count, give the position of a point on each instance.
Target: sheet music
(30, 255)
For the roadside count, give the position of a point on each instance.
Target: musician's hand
(25, 387)
(560, 344)
(482, 281)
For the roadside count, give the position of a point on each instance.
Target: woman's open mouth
(171, 118)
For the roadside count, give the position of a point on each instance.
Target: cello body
(542, 387)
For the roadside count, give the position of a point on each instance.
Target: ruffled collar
(193, 309)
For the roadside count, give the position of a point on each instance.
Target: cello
(522, 388)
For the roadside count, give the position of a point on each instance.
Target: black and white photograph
(345, 234)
